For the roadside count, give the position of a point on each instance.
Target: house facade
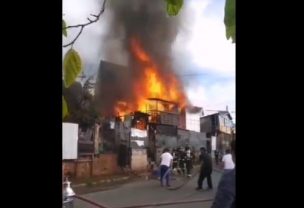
(221, 126)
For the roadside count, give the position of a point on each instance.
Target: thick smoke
(148, 22)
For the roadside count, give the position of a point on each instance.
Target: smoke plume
(147, 22)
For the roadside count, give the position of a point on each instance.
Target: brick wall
(83, 169)
(69, 168)
(101, 165)
(105, 165)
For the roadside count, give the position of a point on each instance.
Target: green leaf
(72, 67)
(229, 19)
(64, 31)
(174, 6)
(65, 111)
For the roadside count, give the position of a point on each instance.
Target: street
(149, 191)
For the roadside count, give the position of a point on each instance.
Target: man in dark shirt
(216, 154)
(206, 169)
(225, 196)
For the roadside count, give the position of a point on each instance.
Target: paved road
(149, 191)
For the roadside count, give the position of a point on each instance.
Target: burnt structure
(161, 124)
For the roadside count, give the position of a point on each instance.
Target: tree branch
(82, 26)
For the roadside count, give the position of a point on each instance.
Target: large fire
(152, 84)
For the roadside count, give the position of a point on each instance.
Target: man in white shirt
(228, 163)
(225, 196)
(165, 165)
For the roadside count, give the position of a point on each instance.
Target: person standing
(175, 160)
(122, 156)
(183, 158)
(188, 161)
(165, 165)
(227, 161)
(225, 195)
(193, 156)
(216, 154)
(206, 170)
(181, 161)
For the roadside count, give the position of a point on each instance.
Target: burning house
(141, 104)
(146, 96)
(146, 129)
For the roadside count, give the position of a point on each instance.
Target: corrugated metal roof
(220, 112)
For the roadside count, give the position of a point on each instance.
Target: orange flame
(152, 84)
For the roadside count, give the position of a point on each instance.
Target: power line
(220, 110)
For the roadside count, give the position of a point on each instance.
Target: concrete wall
(193, 139)
(139, 160)
(165, 141)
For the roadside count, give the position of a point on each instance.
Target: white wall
(69, 141)
(193, 121)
